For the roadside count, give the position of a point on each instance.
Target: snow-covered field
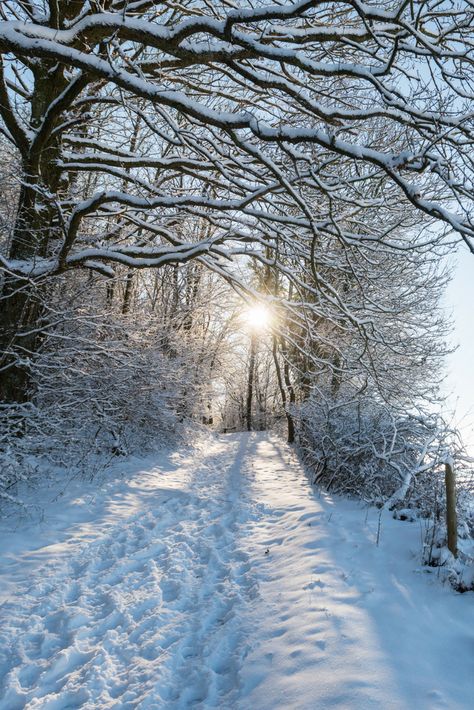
(217, 577)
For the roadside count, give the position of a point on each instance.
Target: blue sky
(460, 300)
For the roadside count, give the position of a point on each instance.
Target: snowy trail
(144, 614)
(222, 580)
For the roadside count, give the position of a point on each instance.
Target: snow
(216, 576)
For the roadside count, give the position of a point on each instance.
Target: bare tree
(274, 125)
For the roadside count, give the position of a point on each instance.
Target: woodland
(233, 215)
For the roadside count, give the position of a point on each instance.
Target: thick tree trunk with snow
(36, 232)
(22, 306)
(19, 338)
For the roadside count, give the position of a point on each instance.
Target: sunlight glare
(258, 317)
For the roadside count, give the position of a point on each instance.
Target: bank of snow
(217, 577)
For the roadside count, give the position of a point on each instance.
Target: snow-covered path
(221, 579)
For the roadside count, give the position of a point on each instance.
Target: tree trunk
(251, 372)
(127, 296)
(22, 303)
(22, 309)
(37, 229)
(291, 394)
(283, 393)
(451, 516)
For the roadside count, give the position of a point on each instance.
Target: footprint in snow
(169, 590)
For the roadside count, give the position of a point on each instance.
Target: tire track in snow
(145, 616)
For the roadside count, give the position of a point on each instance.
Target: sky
(460, 382)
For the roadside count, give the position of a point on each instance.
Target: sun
(257, 317)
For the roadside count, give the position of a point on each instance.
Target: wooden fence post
(451, 517)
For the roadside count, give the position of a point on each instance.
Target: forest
(229, 216)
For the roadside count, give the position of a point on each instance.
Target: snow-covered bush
(104, 387)
(16, 463)
(358, 446)
(118, 398)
